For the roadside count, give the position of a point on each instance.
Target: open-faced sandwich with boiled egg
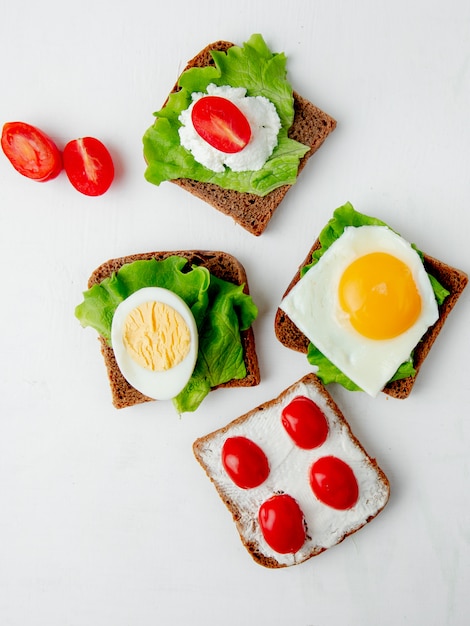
(366, 305)
(293, 475)
(172, 325)
(234, 133)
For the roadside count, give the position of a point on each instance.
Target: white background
(105, 516)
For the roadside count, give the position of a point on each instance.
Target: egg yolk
(380, 296)
(156, 336)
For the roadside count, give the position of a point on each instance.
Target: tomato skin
(333, 482)
(88, 165)
(221, 123)
(31, 152)
(305, 423)
(245, 462)
(282, 524)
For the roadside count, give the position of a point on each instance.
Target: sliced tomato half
(221, 123)
(88, 165)
(31, 152)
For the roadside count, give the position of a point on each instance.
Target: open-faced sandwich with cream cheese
(366, 305)
(172, 325)
(293, 475)
(234, 133)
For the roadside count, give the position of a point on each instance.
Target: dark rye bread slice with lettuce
(448, 285)
(108, 285)
(250, 198)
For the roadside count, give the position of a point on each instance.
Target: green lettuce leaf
(261, 72)
(220, 357)
(221, 310)
(343, 217)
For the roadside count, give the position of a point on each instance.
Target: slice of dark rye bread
(325, 527)
(454, 280)
(311, 127)
(220, 264)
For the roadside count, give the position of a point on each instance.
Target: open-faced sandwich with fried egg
(172, 325)
(366, 305)
(234, 133)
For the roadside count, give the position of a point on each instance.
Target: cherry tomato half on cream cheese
(221, 123)
(31, 152)
(245, 462)
(334, 483)
(88, 165)
(282, 524)
(305, 423)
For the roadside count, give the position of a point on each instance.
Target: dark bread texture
(220, 264)
(311, 127)
(454, 280)
(244, 512)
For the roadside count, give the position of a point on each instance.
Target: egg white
(159, 385)
(264, 123)
(313, 306)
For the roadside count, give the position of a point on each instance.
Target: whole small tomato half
(88, 165)
(221, 123)
(31, 152)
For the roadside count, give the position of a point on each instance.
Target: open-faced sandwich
(366, 305)
(172, 325)
(293, 475)
(234, 133)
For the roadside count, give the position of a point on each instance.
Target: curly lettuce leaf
(221, 310)
(101, 300)
(261, 72)
(343, 217)
(220, 357)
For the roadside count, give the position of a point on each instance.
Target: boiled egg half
(365, 304)
(155, 342)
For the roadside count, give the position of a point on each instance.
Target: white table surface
(105, 516)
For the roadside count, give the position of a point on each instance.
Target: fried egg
(365, 304)
(264, 123)
(155, 342)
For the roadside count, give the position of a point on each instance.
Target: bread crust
(454, 280)
(220, 264)
(201, 445)
(311, 126)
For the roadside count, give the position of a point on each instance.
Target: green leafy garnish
(262, 73)
(343, 217)
(220, 308)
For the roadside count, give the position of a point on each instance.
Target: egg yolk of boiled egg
(156, 336)
(380, 296)
(155, 342)
(365, 304)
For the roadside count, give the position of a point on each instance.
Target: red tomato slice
(282, 523)
(88, 165)
(305, 423)
(245, 462)
(31, 152)
(221, 123)
(334, 483)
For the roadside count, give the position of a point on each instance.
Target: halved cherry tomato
(282, 523)
(88, 165)
(305, 423)
(221, 123)
(31, 152)
(245, 462)
(334, 483)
